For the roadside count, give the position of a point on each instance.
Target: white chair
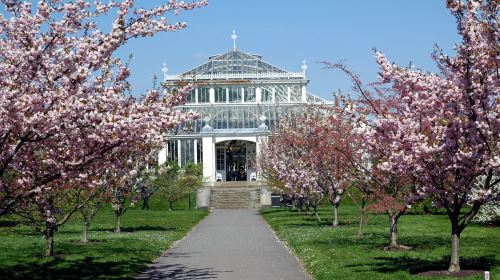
(253, 176)
(218, 177)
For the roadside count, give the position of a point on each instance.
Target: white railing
(219, 76)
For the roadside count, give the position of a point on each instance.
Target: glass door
(220, 160)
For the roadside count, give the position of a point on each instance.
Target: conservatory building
(239, 98)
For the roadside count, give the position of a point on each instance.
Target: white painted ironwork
(235, 76)
(304, 67)
(234, 37)
(164, 69)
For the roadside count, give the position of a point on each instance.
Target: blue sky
(286, 32)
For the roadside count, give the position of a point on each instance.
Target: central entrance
(235, 159)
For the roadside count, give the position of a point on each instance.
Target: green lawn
(146, 234)
(339, 253)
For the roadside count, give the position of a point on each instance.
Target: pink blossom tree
(390, 192)
(63, 89)
(446, 132)
(66, 121)
(304, 154)
(282, 160)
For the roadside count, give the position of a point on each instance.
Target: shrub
(489, 214)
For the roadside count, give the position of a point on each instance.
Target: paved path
(228, 244)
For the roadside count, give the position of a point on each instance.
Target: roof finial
(304, 67)
(234, 37)
(164, 69)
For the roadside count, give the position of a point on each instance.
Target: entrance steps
(235, 195)
(236, 184)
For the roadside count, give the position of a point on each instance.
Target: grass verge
(339, 253)
(146, 234)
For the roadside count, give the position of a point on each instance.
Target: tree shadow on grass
(311, 224)
(371, 241)
(430, 242)
(86, 268)
(270, 211)
(8, 223)
(139, 228)
(379, 240)
(416, 265)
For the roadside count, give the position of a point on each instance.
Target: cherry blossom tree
(446, 133)
(121, 193)
(389, 192)
(66, 121)
(146, 186)
(304, 154)
(62, 89)
(89, 210)
(282, 159)
(52, 210)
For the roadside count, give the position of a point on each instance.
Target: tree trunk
(170, 206)
(317, 215)
(335, 214)
(455, 246)
(393, 231)
(86, 225)
(294, 204)
(145, 203)
(49, 242)
(118, 228)
(361, 216)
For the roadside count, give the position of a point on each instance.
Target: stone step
(232, 203)
(235, 196)
(235, 205)
(238, 200)
(215, 200)
(236, 185)
(231, 195)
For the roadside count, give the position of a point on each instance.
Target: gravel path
(228, 244)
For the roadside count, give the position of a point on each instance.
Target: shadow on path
(179, 272)
(161, 270)
(228, 245)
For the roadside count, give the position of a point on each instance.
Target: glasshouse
(239, 98)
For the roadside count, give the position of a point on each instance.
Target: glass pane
(295, 93)
(235, 95)
(249, 94)
(220, 95)
(203, 95)
(267, 94)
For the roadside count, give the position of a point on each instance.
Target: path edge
(285, 244)
(172, 246)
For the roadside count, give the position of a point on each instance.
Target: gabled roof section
(316, 99)
(234, 62)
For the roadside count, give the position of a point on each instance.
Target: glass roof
(235, 61)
